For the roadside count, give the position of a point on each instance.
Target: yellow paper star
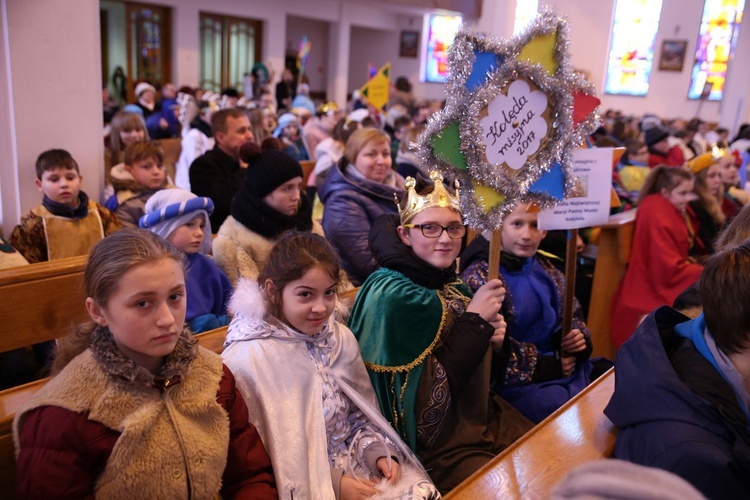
(541, 49)
(486, 197)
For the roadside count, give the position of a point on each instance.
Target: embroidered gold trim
(449, 292)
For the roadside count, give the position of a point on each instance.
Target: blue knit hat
(284, 120)
(168, 209)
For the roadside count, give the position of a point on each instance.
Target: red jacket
(659, 269)
(70, 451)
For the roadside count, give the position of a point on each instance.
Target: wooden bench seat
(13, 399)
(578, 432)
(41, 301)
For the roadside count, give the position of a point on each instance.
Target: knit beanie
(168, 209)
(268, 167)
(654, 135)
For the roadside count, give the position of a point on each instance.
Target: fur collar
(121, 368)
(252, 319)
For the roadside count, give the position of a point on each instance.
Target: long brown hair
(663, 177)
(295, 253)
(124, 120)
(737, 231)
(708, 200)
(108, 261)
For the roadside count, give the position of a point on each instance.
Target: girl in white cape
(301, 370)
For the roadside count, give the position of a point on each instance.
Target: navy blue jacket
(676, 412)
(351, 207)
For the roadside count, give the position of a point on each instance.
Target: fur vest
(173, 438)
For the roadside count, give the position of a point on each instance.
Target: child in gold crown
(427, 342)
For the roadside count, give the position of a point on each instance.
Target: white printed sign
(514, 126)
(593, 169)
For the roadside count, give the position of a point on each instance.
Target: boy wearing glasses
(427, 342)
(557, 365)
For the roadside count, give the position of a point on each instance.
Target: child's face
(307, 303)
(680, 195)
(188, 238)
(290, 131)
(729, 171)
(148, 173)
(146, 312)
(374, 160)
(439, 252)
(285, 198)
(61, 185)
(713, 179)
(521, 236)
(131, 136)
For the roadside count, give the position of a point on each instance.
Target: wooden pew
(13, 399)
(615, 242)
(307, 168)
(40, 301)
(172, 149)
(578, 432)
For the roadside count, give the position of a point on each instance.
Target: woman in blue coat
(355, 193)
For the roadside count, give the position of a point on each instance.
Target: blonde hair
(359, 139)
(108, 261)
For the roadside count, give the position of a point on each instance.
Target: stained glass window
(229, 48)
(631, 53)
(717, 38)
(441, 30)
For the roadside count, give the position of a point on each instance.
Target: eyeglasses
(436, 230)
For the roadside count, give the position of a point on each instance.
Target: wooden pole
(496, 244)
(570, 280)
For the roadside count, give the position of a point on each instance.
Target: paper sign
(590, 207)
(375, 91)
(514, 127)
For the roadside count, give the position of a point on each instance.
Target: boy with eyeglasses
(557, 363)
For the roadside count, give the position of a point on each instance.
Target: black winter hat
(268, 167)
(654, 135)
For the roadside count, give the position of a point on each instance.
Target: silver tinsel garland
(464, 106)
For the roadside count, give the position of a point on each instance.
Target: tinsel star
(515, 110)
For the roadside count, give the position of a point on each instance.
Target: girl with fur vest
(302, 368)
(136, 406)
(268, 203)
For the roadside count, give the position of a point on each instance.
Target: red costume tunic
(659, 269)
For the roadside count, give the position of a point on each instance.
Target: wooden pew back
(615, 243)
(12, 401)
(578, 432)
(172, 149)
(307, 168)
(40, 301)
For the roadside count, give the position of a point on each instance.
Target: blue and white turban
(169, 209)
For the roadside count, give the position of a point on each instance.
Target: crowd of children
(432, 372)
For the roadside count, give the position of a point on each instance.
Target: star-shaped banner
(515, 110)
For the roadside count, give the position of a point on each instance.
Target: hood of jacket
(650, 388)
(339, 179)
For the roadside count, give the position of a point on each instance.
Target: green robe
(399, 324)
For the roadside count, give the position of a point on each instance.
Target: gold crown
(439, 197)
